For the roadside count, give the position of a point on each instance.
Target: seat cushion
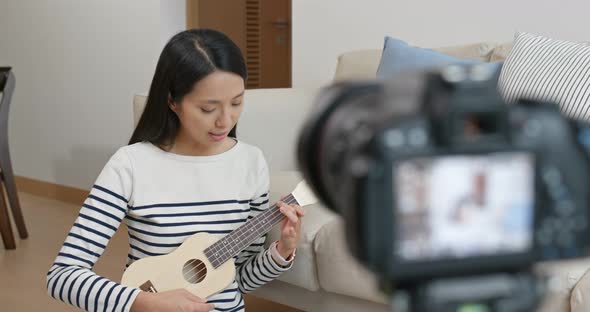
(303, 273)
(338, 271)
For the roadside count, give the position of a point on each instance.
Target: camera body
(437, 177)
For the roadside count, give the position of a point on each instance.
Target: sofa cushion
(501, 51)
(398, 56)
(338, 271)
(303, 273)
(363, 64)
(541, 68)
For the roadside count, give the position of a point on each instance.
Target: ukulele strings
(276, 215)
(271, 217)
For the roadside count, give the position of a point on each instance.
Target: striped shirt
(163, 198)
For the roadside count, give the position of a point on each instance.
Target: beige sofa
(325, 277)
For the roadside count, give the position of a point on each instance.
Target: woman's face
(210, 110)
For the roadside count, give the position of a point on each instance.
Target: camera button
(550, 225)
(565, 239)
(418, 137)
(544, 238)
(565, 208)
(533, 128)
(584, 137)
(552, 176)
(568, 224)
(550, 253)
(580, 223)
(394, 138)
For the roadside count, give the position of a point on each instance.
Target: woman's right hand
(178, 300)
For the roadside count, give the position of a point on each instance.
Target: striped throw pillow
(540, 68)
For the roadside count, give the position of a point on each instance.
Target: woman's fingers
(193, 297)
(293, 214)
(289, 212)
(300, 210)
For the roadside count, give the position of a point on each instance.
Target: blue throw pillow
(398, 56)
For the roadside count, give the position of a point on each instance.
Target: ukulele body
(186, 267)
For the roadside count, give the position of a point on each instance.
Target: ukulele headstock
(304, 195)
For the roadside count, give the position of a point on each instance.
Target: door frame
(192, 13)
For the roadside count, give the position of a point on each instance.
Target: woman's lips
(218, 136)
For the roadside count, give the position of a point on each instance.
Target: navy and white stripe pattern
(540, 68)
(71, 279)
(158, 226)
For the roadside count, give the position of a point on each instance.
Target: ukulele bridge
(148, 286)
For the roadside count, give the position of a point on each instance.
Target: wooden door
(262, 30)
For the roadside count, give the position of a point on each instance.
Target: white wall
(323, 29)
(78, 63)
(77, 66)
(173, 18)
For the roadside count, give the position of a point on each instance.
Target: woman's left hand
(290, 228)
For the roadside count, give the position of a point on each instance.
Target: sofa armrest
(315, 218)
(283, 183)
(317, 215)
(304, 271)
(568, 283)
(580, 294)
(337, 267)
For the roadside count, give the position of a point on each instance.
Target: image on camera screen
(461, 206)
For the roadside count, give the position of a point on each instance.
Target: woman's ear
(173, 106)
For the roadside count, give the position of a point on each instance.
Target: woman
(183, 172)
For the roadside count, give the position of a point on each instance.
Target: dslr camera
(450, 194)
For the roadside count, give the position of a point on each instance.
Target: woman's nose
(224, 120)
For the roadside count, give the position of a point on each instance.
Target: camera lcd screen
(463, 206)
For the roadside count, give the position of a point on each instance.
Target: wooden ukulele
(204, 265)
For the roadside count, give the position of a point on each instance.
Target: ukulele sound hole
(148, 286)
(194, 271)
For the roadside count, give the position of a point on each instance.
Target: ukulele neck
(242, 237)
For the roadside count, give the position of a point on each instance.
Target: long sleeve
(255, 265)
(70, 278)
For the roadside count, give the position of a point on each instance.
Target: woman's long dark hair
(187, 58)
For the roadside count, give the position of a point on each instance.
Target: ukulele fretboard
(245, 235)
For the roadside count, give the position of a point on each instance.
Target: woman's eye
(207, 110)
(236, 104)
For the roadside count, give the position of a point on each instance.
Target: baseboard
(51, 190)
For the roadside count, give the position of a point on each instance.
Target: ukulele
(203, 264)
